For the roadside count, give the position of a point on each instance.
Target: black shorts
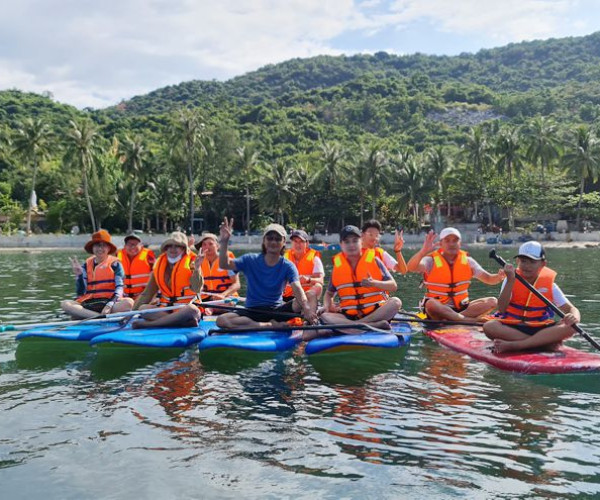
(95, 305)
(462, 307)
(355, 317)
(528, 329)
(262, 314)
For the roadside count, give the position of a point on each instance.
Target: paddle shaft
(341, 326)
(532, 289)
(250, 309)
(436, 321)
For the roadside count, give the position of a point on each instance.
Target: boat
(399, 336)
(470, 340)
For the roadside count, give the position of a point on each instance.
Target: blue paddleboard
(83, 332)
(168, 337)
(398, 337)
(269, 341)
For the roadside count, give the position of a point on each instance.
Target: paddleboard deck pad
(398, 337)
(267, 341)
(471, 341)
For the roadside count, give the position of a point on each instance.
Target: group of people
(285, 285)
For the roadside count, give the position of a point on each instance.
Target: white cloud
(91, 53)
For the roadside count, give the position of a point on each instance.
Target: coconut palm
(541, 142)
(278, 188)
(582, 159)
(437, 164)
(133, 154)
(477, 154)
(412, 185)
(509, 160)
(333, 169)
(376, 166)
(32, 143)
(187, 144)
(82, 141)
(248, 161)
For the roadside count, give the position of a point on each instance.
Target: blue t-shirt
(265, 283)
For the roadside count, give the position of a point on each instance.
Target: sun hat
(275, 228)
(176, 238)
(132, 236)
(349, 230)
(448, 231)
(299, 233)
(532, 250)
(206, 236)
(101, 236)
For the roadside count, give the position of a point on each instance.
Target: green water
(417, 423)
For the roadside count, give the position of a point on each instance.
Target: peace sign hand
(76, 266)
(399, 240)
(226, 229)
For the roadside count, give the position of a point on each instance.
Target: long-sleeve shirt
(117, 267)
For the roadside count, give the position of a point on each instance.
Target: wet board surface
(268, 341)
(82, 333)
(398, 337)
(471, 341)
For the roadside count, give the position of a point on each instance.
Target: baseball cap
(299, 233)
(532, 250)
(132, 236)
(349, 230)
(447, 231)
(275, 228)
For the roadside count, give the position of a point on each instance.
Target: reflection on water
(416, 422)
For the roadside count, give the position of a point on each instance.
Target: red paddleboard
(470, 340)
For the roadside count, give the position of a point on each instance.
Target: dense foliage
(506, 136)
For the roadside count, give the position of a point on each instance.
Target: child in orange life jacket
(309, 265)
(524, 321)
(362, 283)
(99, 281)
(447, 274)
(137, 262)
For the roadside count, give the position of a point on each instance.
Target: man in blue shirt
(266, 273)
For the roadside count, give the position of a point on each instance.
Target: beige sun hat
(176, 238)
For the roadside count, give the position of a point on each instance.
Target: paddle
(250, 309)
(341, 326)
(557, 311)
(425, 321)
(231, 298)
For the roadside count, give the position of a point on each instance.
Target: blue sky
(96, 53)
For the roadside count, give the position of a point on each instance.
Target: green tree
(248, 161)
(82, 141)
(375, 165)
(509, 160)
(541, 143)
(477, 153)
(278, 189)
(133, 155)
(32, 143)
(582, 159)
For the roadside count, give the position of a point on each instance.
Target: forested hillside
(353, 135)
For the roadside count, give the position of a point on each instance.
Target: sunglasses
(273, 237)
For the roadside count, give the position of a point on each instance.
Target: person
(137, 262)
(309, 264)
(99, 281)
(177, 279)
(266, 274)
(371, 233)
(524, 321)
(447, 274)
(219, 283)
(362, 283)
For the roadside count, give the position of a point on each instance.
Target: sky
(97, 53)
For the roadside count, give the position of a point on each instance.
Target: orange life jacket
(355, 299)
(100, 279)
(137, 271)
(216, 280)
(178, 291)
(525, 308)
(449, 284)
(305, 267)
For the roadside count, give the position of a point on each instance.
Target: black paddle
(557, 311)
(291, 328)
(449, 322)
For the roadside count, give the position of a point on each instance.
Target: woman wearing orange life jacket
(362, 283)
(219, 283)
(99, 281)
(309, 265)
(524, 321)
(447, 276)
(137, 262)
(177, 279)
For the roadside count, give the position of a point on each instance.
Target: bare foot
(382, 325)
(139, 323)
(503, 346)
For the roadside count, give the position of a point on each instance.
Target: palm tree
(376, 166)
(333, 169)
(82, 148)
(438, 164)
(278, 189)
(411, 184)
(582, 159)
(509, 159)
(249, 159)
(477, 153)
(133, 155)
(187, 139)
(542, 142)
(32, 143)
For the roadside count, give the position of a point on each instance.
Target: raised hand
(226, 229)
(398, 240)
(76, 266)
(429, 245)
